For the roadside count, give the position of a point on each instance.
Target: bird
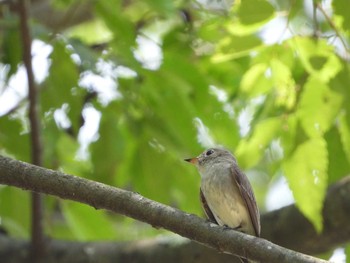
(225, 192)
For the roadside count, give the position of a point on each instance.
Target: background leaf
(308, 166)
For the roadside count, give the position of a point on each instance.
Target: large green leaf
(318, 107)
(317, 57)
(306, 172)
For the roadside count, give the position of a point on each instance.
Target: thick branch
(131, 204)
(289, 222)
(172, 249)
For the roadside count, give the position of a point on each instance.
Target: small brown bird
(226, 194)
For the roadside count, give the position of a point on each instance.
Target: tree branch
(38, 243)
(134, 205)
(334, 27)
(289, 222)
(170, 249)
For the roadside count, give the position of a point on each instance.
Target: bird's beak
(192, 160)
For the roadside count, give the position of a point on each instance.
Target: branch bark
(101, 196)
(289, 222)
(170, 249)
(38, 244)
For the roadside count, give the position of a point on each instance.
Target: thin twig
(314, 16)
(333, 26)
(37, 235)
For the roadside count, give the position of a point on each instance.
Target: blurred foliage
(268, 80)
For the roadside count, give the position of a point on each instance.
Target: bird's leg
(237, 228)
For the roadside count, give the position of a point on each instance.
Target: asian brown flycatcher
(225, 192)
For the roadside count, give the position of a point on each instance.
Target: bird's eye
(209, 152)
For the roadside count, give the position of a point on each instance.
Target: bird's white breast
(224, 198)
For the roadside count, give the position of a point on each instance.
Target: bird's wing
(206, 208)
(248, 197)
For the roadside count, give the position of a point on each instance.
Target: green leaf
(254, 81)
(67, 149)
(86, 223)
(255, 11)
(91, 32)
(124, 31)
(289, 131)
(344, 131)
(235, 46)
(250, 150)
(339, 165)
(163, 7)
(341, 9)
(284, 84)
(14, 139)
(318, 107)
(171, 127)
(347, 253)
(108, 151)
(12, 48)
(306, 172)
(318, 57)
(62, 85)
(15, 211)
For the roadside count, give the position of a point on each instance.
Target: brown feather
(206, 208)
(248, 197)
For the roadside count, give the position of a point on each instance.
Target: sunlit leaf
(317, 57)
(284, 84)
(306, 172)
(91, 32)
(318, 107)
(254, 81)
